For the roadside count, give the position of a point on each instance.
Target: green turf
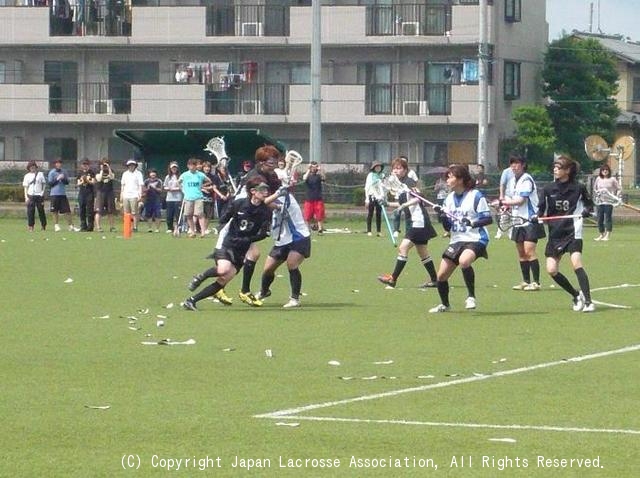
(193, 402)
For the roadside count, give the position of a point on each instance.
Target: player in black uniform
(567, 197)
(246, 221)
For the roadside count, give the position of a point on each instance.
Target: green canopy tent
(158, 147)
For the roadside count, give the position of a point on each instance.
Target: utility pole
(315, 126)
(483, 87)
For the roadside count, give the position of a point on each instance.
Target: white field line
(392, 393)
(621, 286)
(545, 428)
(607, 304)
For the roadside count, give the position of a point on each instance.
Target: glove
(533, 219)
(586, 214)
(466, 222)
(282, 191)
(437, 209)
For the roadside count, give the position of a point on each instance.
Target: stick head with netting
(216, 147)
(292, 160)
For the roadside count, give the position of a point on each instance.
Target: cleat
(388, 280)
(589, 307)
(261, 296)
(428, 285)
(520, 286)
(438, 308)
(291, 304)
(195, 282)
(74, 229)
(223, 298)
(189, 304)
(532, 286)
(578, 302)
(249, 298)
(470, 303)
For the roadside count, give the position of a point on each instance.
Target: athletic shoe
(223, 298)
(388, 280)
(74, 229)
(438, 308)
(532, 286)
(428, 285)
(470, 303)
(195, 282)
(599, 238)
(369, 234)
(396, 233)
(589, 307)
(261, 296)
(56, 227)
(521, 286)
(189, 304)
(291, 304)
(250, 299)
(578, 302)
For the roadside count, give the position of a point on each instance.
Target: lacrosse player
(246, 221)
(466, 215)
(565, 196)
(605, 182)
(292, 244)
(522, 198)
(418, 235)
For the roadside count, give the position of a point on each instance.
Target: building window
(3, 72)
(61, 148)
(369, 152)
(636, 90)
(439, 154)
(2, 156)
(511, 80)
(512, 11)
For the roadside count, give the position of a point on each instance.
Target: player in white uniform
(466, 215)
(522, 197)
(292, 244)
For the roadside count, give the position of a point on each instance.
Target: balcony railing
(247, 20)
(89, 98)
(251, 99)
(408, 99)
(416, 19)
(90, 17)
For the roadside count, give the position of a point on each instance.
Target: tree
(535, 135)
(580, 81)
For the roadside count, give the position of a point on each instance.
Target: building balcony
(165, 22)
(249, 102)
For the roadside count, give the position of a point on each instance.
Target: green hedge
(11, 193)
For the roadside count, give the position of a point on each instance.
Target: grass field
(521, 377)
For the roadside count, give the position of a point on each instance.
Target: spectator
(86, 181)
(171, 185)
(58, 179)
(314, 203)
(131, 190)
(34, 184)
(105, 195)
(153, 199)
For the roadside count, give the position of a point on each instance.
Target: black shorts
(105, 202)
(59, 204)
(557, 247)
(302, 247)
(421, 235)
(453, 251)
(233, 255)
(527, 233)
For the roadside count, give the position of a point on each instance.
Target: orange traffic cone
(127, 226)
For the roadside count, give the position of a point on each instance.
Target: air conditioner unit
(102, 107)
(410, 28)
(415, 108)
(251, 107)
(251, 29)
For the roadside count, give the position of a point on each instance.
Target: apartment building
(398, 76)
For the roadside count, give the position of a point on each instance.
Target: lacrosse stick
(178, 225)
(394, 184)
(605, 197)
(292, 160)
(216, 147)
(380, 193)
(506, 220)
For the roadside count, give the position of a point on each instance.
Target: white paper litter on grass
(372, 377)
(228, 349)
(160, 316)
(502, 360)
(98, 407)
(135, 328)
(383, 362)
(287, 424)
(143, 311)
(68, 280)
(346, 378)
(426, 376)
(334, 363)
(170, 342)
(503, 440)
(106, 316)
(355, 290)
(169, 305)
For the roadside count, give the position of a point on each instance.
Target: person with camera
(86, 180)
(105, 201)
(313, 207)
(58, 179)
